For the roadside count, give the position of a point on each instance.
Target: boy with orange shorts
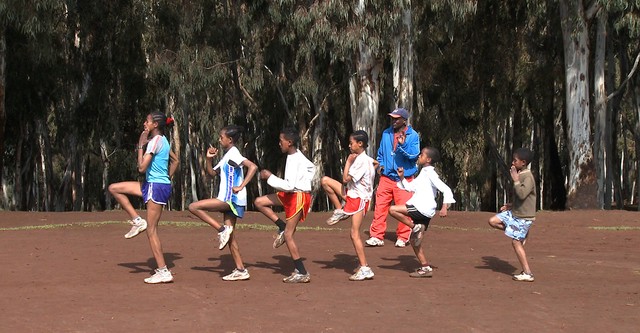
(294, 195)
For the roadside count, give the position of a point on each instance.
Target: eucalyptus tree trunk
(575, 33)
(403, 61)
(636, 110)
(317, 139)
(46, 164)
(601, 146)
(3, 78)
(364, 93)
(106, 166)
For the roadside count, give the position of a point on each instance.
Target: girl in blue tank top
(158, 163)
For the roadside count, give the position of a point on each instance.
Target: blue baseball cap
(399, 113)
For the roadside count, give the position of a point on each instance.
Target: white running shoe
(416, 234)
(363, 273)
(223, 236)
(401, 243)
(526, 277)
(296, 277)
(338, 215)
(422, 272)
(374, 242)
(161, 276)
(237, 275)
(279, 240)
(136, 228)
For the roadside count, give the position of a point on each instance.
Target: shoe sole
(332, 222)
(364, 279)
(136, 234)
(237, 279)
(420, 276)
(169, 281)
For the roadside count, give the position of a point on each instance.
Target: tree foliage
(488, 77)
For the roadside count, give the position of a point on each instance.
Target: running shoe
(279, 240)
(237, 275)
(373, 241)
(338, 215)
(526, 277)
(363, 273)
(223, 236)
(136, 228)
(416, 234)
(296, 277)
(161, 276)
(422, 272)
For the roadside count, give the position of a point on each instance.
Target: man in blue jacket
(399, 147)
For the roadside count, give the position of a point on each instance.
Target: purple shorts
(156, 192)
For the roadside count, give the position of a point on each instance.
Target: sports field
(74, 272)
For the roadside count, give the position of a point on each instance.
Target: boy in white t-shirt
(293, 195)
(422, 205)
(358, 177)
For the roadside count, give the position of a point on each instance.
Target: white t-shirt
(425, 188)
(231, 174)
(298, 174)
(363, 174)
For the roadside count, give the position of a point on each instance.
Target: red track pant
(387, 192)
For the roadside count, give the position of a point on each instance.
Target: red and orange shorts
(294, 202)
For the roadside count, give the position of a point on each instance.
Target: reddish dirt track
(88, 278)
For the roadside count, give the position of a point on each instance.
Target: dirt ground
(85, 277)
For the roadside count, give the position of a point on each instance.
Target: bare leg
(355, 237)
(289, 231)
(496, 223)
(154, 211)
(522, 256)
(420, 255)
(334, 189)
(399, 212)
(264, 204)
(234, 248)
(200, 209)
(120, 191)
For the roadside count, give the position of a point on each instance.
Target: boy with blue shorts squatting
(516, 219)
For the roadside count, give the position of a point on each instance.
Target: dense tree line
(480, 77)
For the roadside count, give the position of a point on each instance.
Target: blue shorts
(156, 192)
(236, 210)
(515, 227)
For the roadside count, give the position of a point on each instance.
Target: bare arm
(211, 153)
(346, 178)
(174, 162)
(252, 168)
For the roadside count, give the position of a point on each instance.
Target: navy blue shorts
(156, 192)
